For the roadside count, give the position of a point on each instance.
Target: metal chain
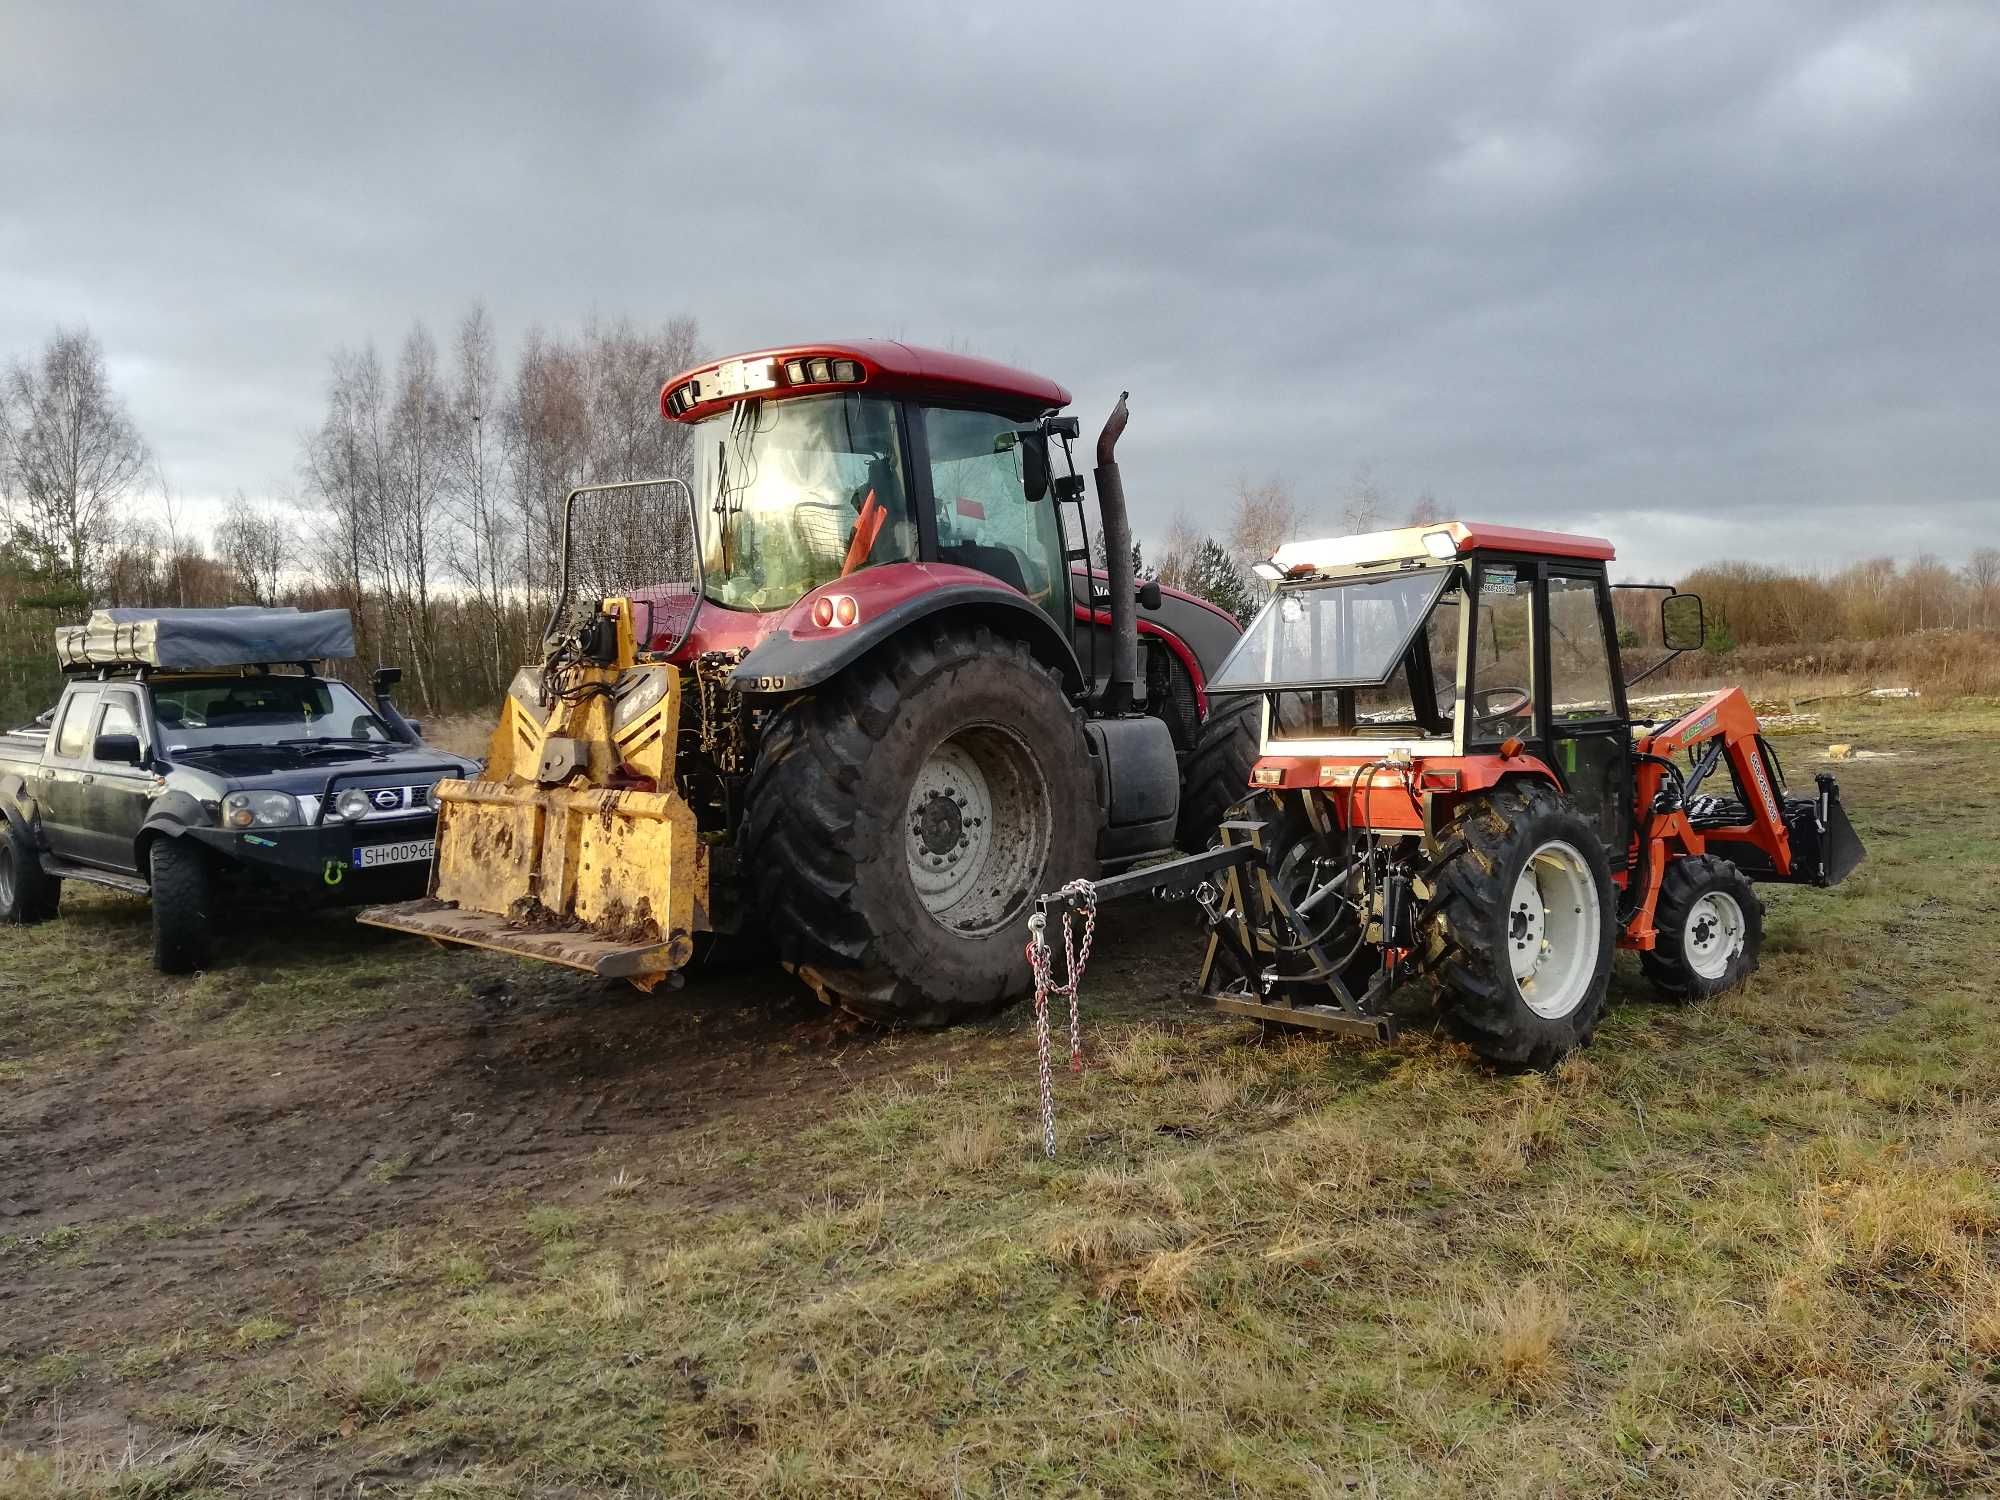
(1078, 893)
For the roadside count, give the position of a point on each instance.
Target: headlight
(260, 809)
(352, 804)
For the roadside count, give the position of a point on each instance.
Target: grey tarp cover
(183, 640)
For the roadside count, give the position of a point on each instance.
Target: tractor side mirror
(1149, 594)
(116, 750)
(1681, 624)
(1034, 466)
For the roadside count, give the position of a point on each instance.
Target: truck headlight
(352, 804)
(260, 809)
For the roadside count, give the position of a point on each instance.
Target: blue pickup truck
(204, 786)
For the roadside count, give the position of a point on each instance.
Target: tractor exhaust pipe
(1122, 691)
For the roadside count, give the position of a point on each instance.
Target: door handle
(86, 778)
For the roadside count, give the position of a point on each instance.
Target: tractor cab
(813, 464)
(1457, 650)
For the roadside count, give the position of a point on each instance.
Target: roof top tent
(197, 640)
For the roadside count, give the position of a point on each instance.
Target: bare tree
(255, 545)
(1365, 503)
(345, 472)
(1982, 579)
(485, 561)
(409, 513)
(72, 455)
(1177, 557)
(1263, 517)
(1425, 510)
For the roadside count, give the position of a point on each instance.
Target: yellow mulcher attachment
(575, 848)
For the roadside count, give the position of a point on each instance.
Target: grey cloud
(1708, 277)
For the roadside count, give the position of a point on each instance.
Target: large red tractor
(853, 686)
(1452, 784)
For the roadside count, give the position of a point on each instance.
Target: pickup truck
(206, 789)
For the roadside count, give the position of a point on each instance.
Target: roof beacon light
(1441, 545)
(1270, 572)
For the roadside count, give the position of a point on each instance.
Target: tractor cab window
(793, 494)
(1500, 700)
(984, 517)
(1337, 659)
(1579, 659)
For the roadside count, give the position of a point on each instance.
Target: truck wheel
(1711, 928)
(183, 900)
(1518, 929)
(902, 819)
(27, 894)
(1217, 774)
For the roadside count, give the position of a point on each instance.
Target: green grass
(1746, 1247)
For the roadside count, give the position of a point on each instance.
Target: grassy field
(384, 1220)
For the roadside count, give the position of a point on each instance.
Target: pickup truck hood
(296, 767)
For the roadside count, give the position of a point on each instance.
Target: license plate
(368, 856)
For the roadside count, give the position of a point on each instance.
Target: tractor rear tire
(183, 906)
(1217, 774)
(941, 747)
(1711, 929)
(1519, 927)
(28, 894)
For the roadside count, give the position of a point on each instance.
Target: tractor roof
(1441, 540)
(869, 364)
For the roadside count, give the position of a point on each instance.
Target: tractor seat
(1002, 563)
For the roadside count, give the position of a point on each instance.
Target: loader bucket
(544, 859)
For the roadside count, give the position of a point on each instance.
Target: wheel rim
(1713, 934)
(6, 879)
(977, 829)
(1553, 928)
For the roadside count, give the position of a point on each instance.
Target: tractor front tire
(183, 906)
(1217, 774)
(1711, 929)
(28, 894)
(903, 817)
(1519, 926)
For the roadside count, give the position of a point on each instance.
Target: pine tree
(1215, 577)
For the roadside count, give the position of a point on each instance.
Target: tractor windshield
(796, 493)
(1348, 633)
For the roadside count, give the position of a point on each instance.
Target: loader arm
(1665, 832)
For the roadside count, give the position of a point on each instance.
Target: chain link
(1077, 894)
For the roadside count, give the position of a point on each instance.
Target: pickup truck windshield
(198, 713)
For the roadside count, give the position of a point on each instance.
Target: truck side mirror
(116, 750)
(1681, 625)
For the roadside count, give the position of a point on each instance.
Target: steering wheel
(1490, 705)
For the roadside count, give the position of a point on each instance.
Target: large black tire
(1216, 775)
(838, 831)
(1484, 923)
(27, 893)
(183, 906)
(1711, 929)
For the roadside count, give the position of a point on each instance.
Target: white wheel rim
(977, 829)
(1553, 930)
(1713, 934)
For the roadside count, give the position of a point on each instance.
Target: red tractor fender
(804, 649)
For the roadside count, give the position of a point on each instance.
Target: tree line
(428, 498)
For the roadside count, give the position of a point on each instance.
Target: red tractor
(1452, 784)
(853, 685)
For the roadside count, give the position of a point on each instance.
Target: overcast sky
(1717, 279)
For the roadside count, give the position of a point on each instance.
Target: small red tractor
(1451, 783)
(850, 689)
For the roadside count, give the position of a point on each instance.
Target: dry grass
(1743, 1248)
